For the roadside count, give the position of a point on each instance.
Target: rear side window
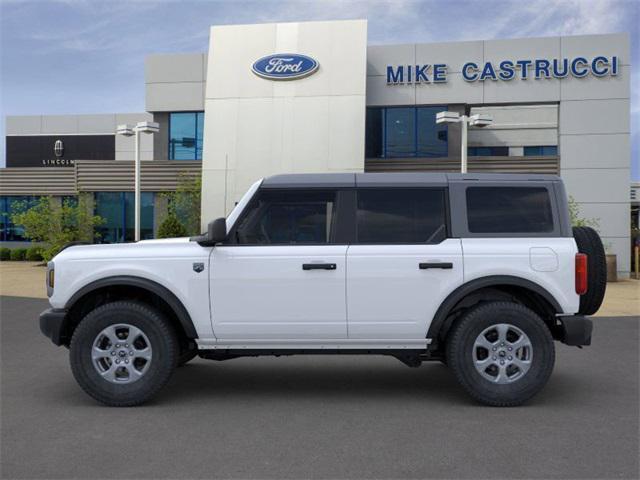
(401, 216)
(289, 217)
(509, 210)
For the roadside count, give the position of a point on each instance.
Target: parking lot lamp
(128, 131)
(477, 120)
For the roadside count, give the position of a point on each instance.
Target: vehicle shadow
(340, 377)
(310, 377)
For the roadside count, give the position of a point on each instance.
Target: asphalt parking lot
(320, 417)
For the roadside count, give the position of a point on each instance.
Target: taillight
(581, 274)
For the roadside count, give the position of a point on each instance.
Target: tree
(184, 203)
(577, 220)
(171, 227)
(57, 224)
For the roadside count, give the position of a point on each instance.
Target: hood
(166, 240)
(169, 247)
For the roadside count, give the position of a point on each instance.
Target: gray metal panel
(518, 165)
(174, 68)
(23, 125)
(38, 181)
(402, 179)
(161, 139)
(563, 209)
(156, 176)
(310, 180)
(500, 177)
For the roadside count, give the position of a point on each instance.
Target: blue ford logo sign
(284, 66)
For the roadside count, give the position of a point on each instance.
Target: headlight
(51, 275)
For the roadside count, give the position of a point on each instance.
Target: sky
(87, 56)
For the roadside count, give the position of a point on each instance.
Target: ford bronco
(479, 271)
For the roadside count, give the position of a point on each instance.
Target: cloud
(67, 56)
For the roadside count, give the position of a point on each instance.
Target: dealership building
(314, 97)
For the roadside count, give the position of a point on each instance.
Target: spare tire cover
(589, 243)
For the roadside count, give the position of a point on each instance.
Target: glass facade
(400, 132)
(541, 151)
(185, 135)
(9, 232)
(488, 151)
(117, 208)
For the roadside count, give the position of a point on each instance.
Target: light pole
(128, 131)
(477, 120)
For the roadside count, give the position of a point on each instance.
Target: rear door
(402, 264)
(281, 275)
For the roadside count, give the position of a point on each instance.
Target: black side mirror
(217, 231)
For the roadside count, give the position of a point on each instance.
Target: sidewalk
(26, 279)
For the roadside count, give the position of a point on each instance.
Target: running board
(329, 344)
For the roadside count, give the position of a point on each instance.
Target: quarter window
(289, 218)
(401, 216)
(509, 210)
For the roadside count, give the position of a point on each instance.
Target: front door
(281, 275)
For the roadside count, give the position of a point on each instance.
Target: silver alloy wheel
(121, 353)
(502, 353)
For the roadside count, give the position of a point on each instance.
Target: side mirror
(217, 231)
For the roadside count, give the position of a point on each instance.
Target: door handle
(442, 265)
(318, 266)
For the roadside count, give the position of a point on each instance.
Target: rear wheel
(123, 353)
(502, 353)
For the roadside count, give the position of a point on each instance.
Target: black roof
(400, 179)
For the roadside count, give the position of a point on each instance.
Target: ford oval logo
(285, 66)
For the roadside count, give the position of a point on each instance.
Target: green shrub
(34, 254)
(18, 254)
(56, 224)
(171, 227)
(5, 253)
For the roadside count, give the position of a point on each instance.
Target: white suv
(481, 272)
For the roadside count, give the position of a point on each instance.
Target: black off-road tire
(460, 345)
(163, 342)
(589, 242)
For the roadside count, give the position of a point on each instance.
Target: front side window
(185, 135)
(289, 217)
(509, 210)
(401, 216)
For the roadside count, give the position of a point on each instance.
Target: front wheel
(123, 353)
(502, 353)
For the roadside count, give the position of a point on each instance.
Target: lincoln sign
(506, 70)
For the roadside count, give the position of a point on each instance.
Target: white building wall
(256, 127)
(592, 128)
